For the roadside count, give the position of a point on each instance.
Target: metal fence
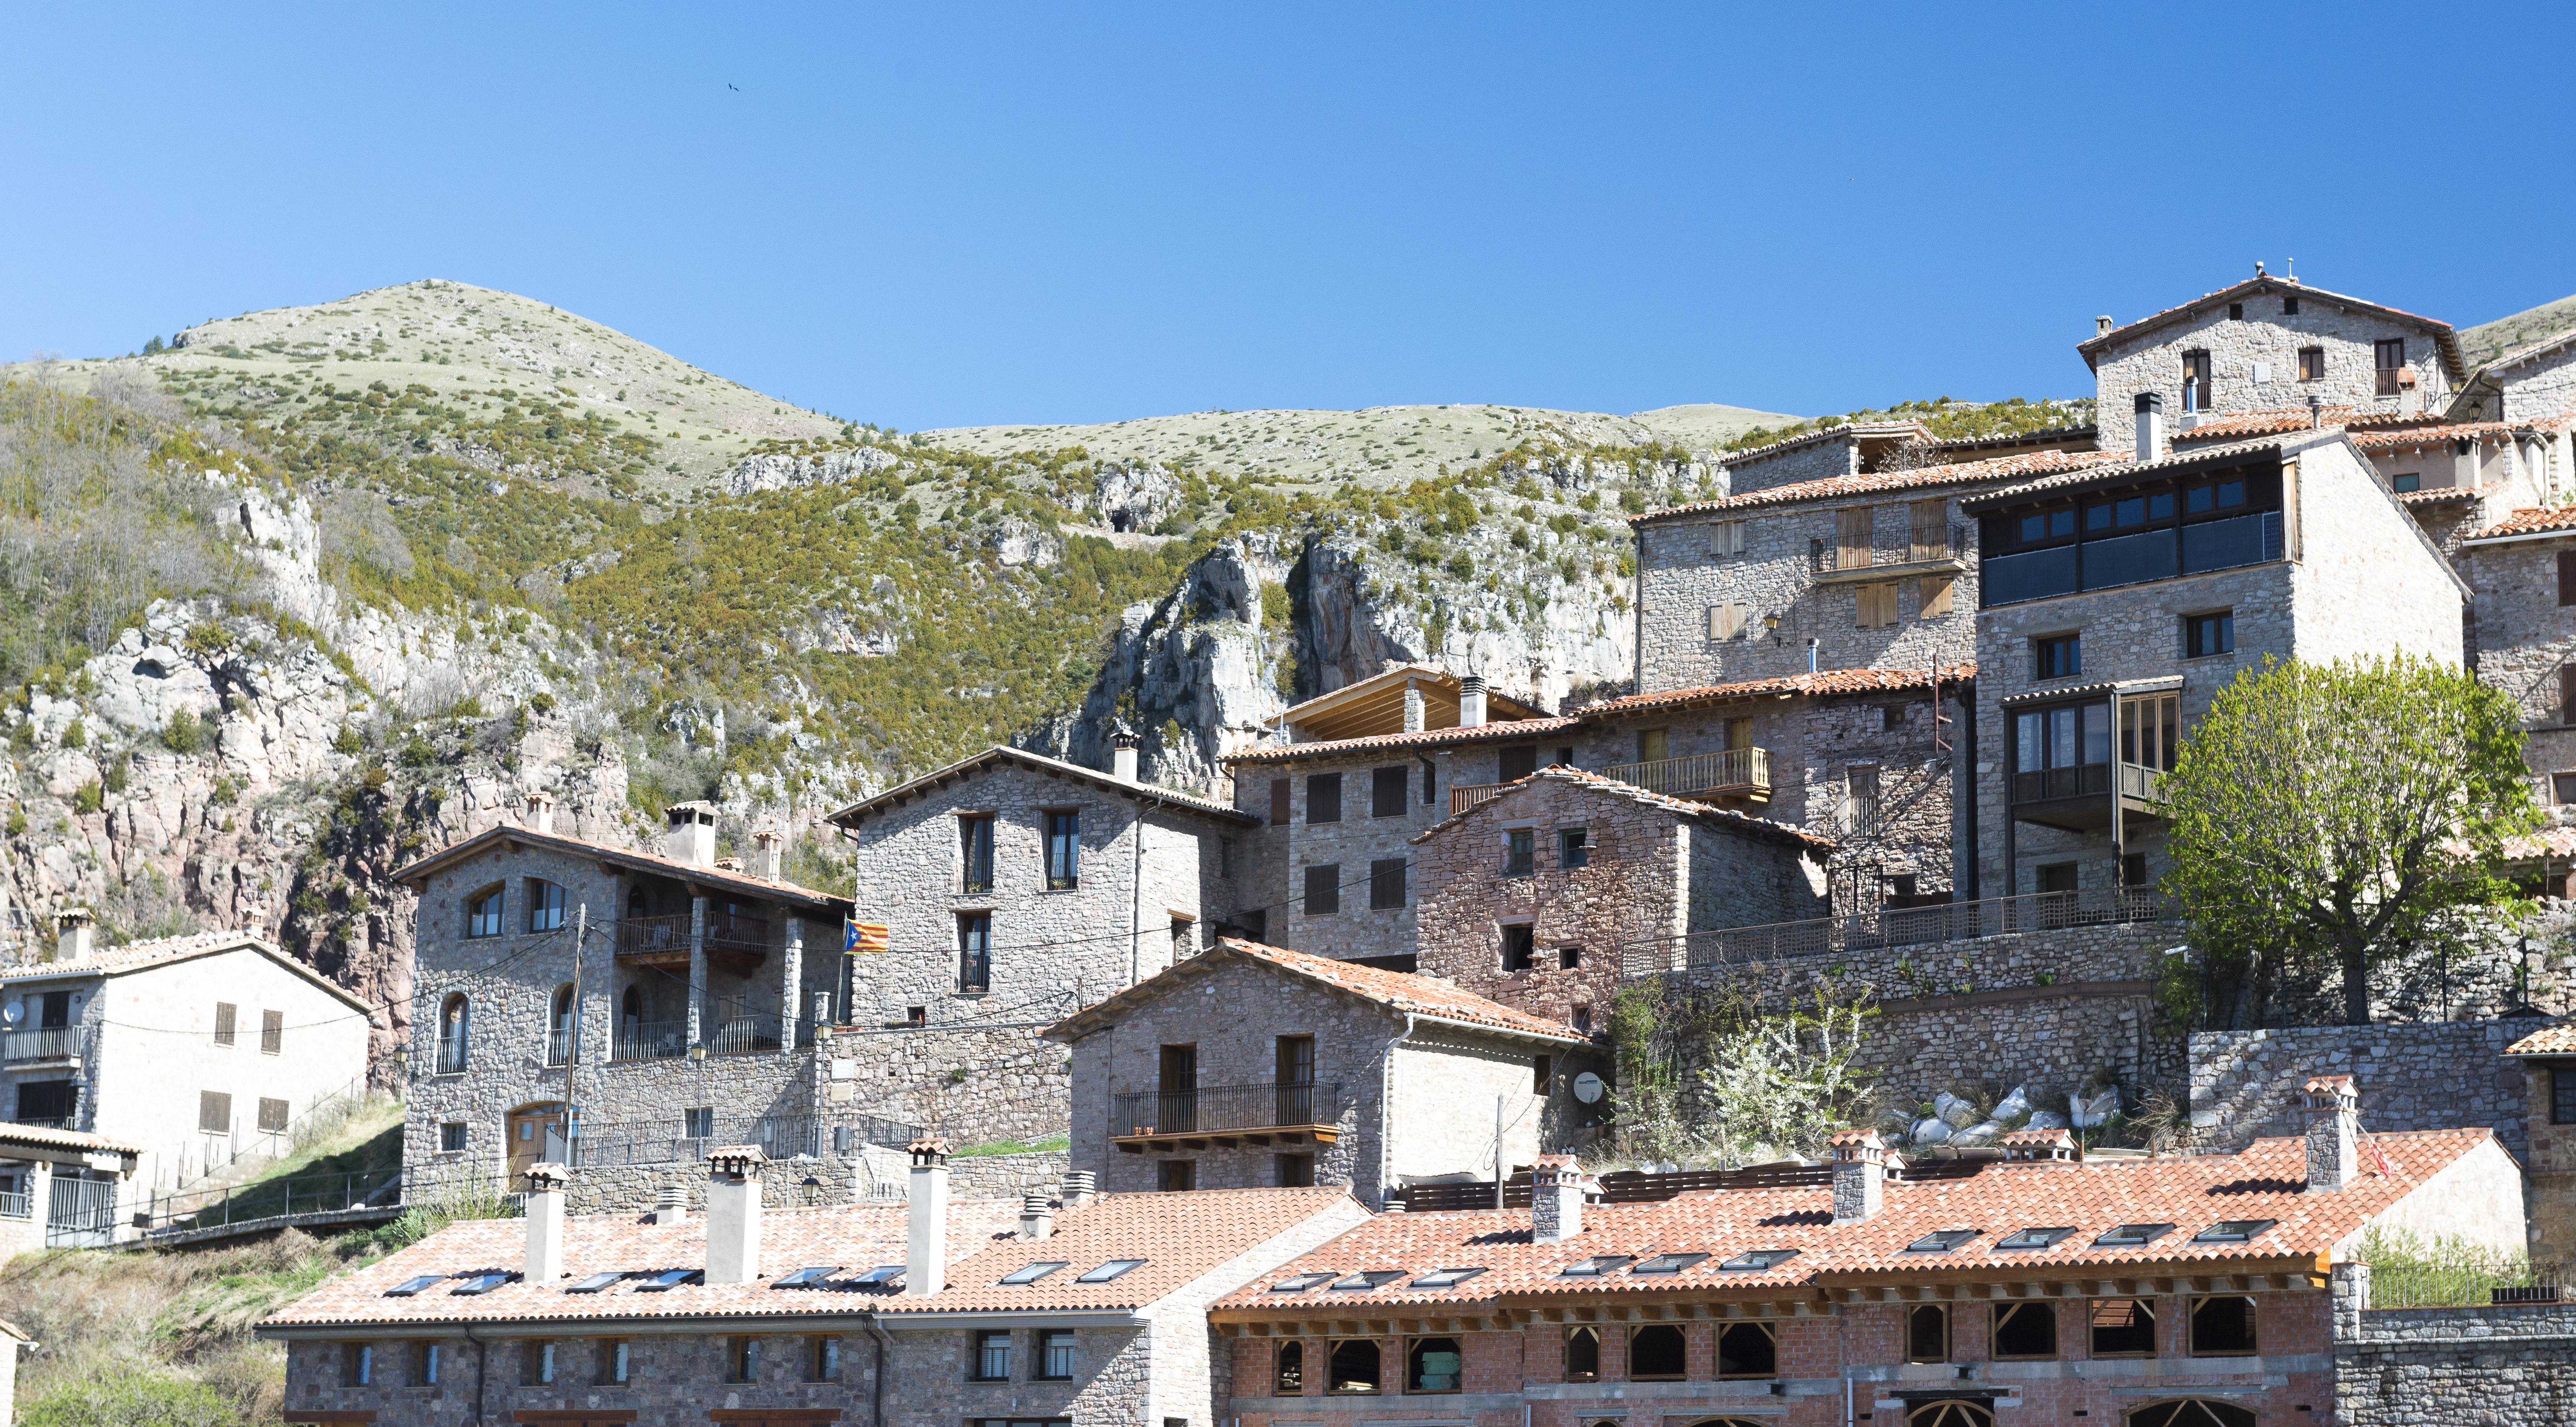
(2471, 1285)
(1221, 1108)
(274, 1198)
(668, 1140)
(45, 1043)
(1884, 927)
(649, 1040)
(80, 1213)
(17, 1204)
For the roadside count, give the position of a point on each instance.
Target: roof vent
(1122, 754)
(691, 839)
(541, 812)
(73, 929)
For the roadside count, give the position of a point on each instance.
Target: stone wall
(1820, 456)
(1446, 1090)
(2504, 1366)
(2434, 1076)
(2540, 386)
(1352, 842)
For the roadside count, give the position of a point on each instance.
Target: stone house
(704, 990)
(2209, 1291)
(62, 1188)
(1530, 897)
(1254, 1065)
(2523, 571)
(2117, 600)
(2265, 344)
(1845, 449)
(1015, 889)
(1089, 1312)
(199, 1049)
(2548, 1061)
(2456, 476)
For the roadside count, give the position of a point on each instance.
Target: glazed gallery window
(2126, 537)
(1063, 849)
(975, 852)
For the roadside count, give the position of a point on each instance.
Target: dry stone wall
(2497, 1366)
(2439, 1075)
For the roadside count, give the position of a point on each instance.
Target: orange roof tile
(1180, 1236)
(859, 811)
(2556, 1040)
(1999, 468)
(1822, 684)
(775, 887)
(2531, 520)
(2394, 437)
(1426, 738)
(47, 1137)
(2267, 1181)
(1679, 807)
(1399, 991)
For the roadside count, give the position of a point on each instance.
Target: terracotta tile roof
(2560, 422)
(1822, 684)
(2267, 1181)
(2393, 438)
(775, 888)
(136, 956)
(2086, 432)
(1396, 990)
(2122, 470)
(861, 810)
(1427, 738)
(1844, 428)
(1180, 1237)
(2548, 842)
(2443, 337)
(2531, 520)
(1962, 473)
(1679, 807)
(2442, 496)
(47, 1137)
(2556, 1040)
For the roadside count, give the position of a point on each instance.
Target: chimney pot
(1080, 1188)
(925, 1259)
(2150, 408)
(74, 928)
(1037, 1217)
(541, 812)
(691, 838)
(2316, 411)
(733, 1213)
(671, 1204)
(545, 1258)
(2102, 326)
(2334, 1132)
(1556, 1198)
(766, 846)
(1122, 754)
(1860, 1175)
(1471, 701)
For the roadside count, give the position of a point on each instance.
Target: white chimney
(545, 1259)
(1471, 701)
(1079, 1188)
(72, 938)
(1412, 707)
(691, 840)
(1556, 1198)
(765, 846)
(733, 1213)
(2151, 426)
(2410, 398)
(925, 1256)
(1860, 1175)
(2316, 411)
(541, 811)
(2334, 1132)
(2102, 326)
(1122, 756)
(1037, 1217)
(670, 1205)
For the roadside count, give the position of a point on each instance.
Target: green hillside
(2489, 340)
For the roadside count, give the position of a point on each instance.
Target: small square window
(2407, 481)
(2130, 1236)
(2562, 787)
(2222, 1327)
(2124, 1328)
(1668, 1263)
(1110, 1270)
(2312, 364)
(2057, 657)
(2236, 312)
(2208, 634)
(1569, 958)
(1573, 848)
(2026, 1330)
(451, 1137)
(2289, 307)
(1519, 940)
(1031, 1273)
(1600, 1264)
(2233, 1231)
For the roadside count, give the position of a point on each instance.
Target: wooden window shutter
(1851, 538)
(1725, 621)
(2567, 577)
(1936, 596)
(2567, 694)
(1931, 530)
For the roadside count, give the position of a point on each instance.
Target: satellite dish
(1587, 1088)
(10, 1013)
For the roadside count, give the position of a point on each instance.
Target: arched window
(559, 1037)
(454, 1024)
(1655, 1353)
(2192, 1412)
(1952, 1413)
(483, 913)
(1288, 1378)
(545, 905)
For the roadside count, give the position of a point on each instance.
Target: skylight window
(1942, 1242)
(2033, 1238)
(669, 1279)
(2233, 1231)
(595, 1283)
(1367, 1279)
(1757, 1260)
(879, 1276)
(1110, 1270)
(410, 1286)
(1599, 1265)
(1668, 1263)
(2130, 1236)
(1301, 1283)
(481, 1283)
(1444, 1278)
(1031, 1273)
(806, 1277)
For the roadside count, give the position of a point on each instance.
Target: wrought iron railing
(1948, 545)
(559, 1045)
(47, 1122)
(1745, 768)
(646, 936)
(17, 1204)
(2388, 381)
(737, 929)
(451, 1056)
(1220, 1109)
(1892, 926)
(649, 1040)
(44, 1043)
(2471, 1285)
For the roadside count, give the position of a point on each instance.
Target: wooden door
(536, 1135)
(1180, 1087)
(1852, 538)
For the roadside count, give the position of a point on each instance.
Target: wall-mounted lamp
(1771, 626)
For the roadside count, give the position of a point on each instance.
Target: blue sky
(945, 215)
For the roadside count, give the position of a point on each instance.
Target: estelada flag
(867, 936)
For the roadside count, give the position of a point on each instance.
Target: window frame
(1681, 1343)
(1332, 1355)
(2312, 371)
(357, 1364)
(1323, 890)
(2562, 1098)
(2220, 623)
(1413, 1353)
(823, 1358)
(615, 1363)
(1519, 947)
(1717, 1348)
(1387, 879)
(2012, 1312)
(1573, 848)
(1287, 1378)
(1390, 790)
(486, 911)
(980, 1355)
(2191, 1326)
(2093, 1329)
(1324, 789)
(1044, 1361)
(1582, 1330)
(1912, 1352)
(2056, 656)
(1062, 848)
(1520, 852)
(539, 1362)
(974, 953)
(974, 854)
(545, 909)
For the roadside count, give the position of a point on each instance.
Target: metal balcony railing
(558, 1045)
(47, 1122)
(451, 1057)
(1890, 927)
(1745, 769)
(754, 1032)
(1224, 1109)
(2471, 1285)
(649, 1040)
(45, 1043)
(1833, 559)
(17, 1204)
(645, 936)
(730, 929)
(2388, 381)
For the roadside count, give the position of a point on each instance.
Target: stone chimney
(1412, 707)
(670, 1205)
(1471, 701)
(733, 1213)
(1122, 755)
(1860, 1175)
(541, 812)
(1556, 1199)
(545, 1259)
(2150, 407)
(2102, 326)
(765, 852)
(925, 1256)
(72, 931)
(1079, 1188)
(2334, 1132)
(691, 839)
(1037, 1217)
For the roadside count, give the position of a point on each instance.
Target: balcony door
(1295, 1085)
(1179, 1084)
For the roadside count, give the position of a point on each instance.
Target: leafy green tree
(2327, 817)
(131, 1397)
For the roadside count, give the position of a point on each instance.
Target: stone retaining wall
(2512, 1366)
(2437, 1075)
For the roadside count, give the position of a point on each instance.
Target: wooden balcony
(1848, 565)
(1225, 1116)
(1463, 796)
(1735, 773)
(735, 944)
(2079, 798)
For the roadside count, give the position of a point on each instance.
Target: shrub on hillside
(131, 1397)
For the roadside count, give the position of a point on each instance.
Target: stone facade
(2438, 1075)
(1846, 450)
(2511, 1365)
(2525, 638)
(2254, 360)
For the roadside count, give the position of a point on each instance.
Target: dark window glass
(1386, 884)
(2222, 1327)
(1278, 802)
(1354, 1366)
(1431, 1365)
(451, 1136)
(2010, 579)
(483, 914)
(1295, 1171)
(2129, 559)
(975, 844)
(1063, 849)
(1655, 1353)
(1323, 889)
(545, 905)
(1569, 958)
(2057, 657)
(993, 1356)
(1520, 852)
(2312, 364)
(2562, 1096)
(2389, 353)
(1387, 789)
(1289, 1379)
(1323, 797)
(2567, 577)
(1747, 1350)
(1517, 763)
(2124, 1327)
(1517, 941)
(2289, 307)
(1583, 1355)
(2026, 1330)
(1927, 1333)
(975, 951)
(2226, 544)
(2236, 312)
(2208, 634)
(1573, 848)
